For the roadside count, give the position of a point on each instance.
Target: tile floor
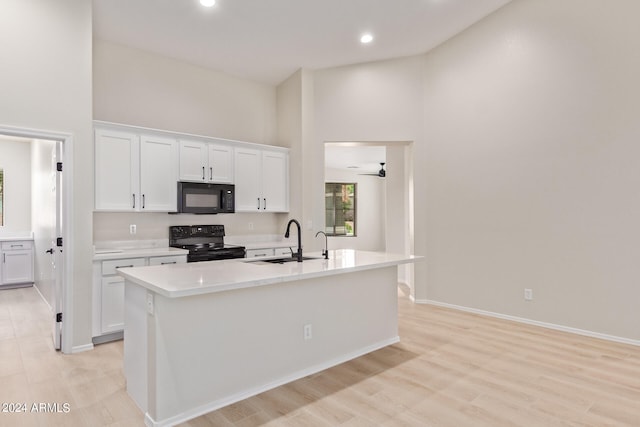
(91, 384)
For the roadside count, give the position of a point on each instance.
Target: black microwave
(203, 198)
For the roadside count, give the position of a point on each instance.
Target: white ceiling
(268, 40)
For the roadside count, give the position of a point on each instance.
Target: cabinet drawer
(17, 245)
(255, 253)
(110, 267)
(282, 251)
(163, 260)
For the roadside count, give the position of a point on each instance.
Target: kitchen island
(200, 336)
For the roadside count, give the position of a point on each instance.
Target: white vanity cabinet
(135, 172)
(206, 161)
(17, 262)
(261, 180)
(108, 290)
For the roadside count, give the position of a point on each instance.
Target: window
(340, 209)
(1, 197)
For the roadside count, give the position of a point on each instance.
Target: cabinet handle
(265, 204)
(134, 200)
(124, 266)
(258, 203)
(203, 173)
(4, 258)
(17, 246)
(166, 263)
(143, 201)
(210, 174)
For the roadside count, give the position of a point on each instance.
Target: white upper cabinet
(138, 169)
(220, 163)
(261, 180)
(158, 174)
(193, 161)
(135, 173)
(275, 181)
(248, 187)
(117, 177)
(206, 162)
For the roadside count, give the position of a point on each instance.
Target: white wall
(380, 101)
(370, 211)
(295, 114)
(524, 159)
(48, 87)
(532, 126)
(15, 161)
(141, 88)
(144, 89)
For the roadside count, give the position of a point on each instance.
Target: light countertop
(179, 280)
(107, 254)
(16, 238)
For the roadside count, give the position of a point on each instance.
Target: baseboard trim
(35, 285)
(212, 406)
(81, 348)
(562, 328)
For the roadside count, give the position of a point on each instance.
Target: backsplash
(108, 226)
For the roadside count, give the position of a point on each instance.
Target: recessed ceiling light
(366, 38)
(208, 3)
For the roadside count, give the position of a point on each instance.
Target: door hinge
(59, 241)
(58, 317)
(59, 166)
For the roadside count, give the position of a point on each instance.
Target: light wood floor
(450, 369)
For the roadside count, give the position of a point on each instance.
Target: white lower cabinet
(17, 262)
(108, 288)
(257, 253)
(112, 316)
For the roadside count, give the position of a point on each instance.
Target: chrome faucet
(325, 251)
(297, 255)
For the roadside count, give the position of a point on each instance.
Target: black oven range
(204, 242)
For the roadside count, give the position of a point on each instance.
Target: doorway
(49, 206)
(383, 173)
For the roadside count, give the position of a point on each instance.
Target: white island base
(189, 355)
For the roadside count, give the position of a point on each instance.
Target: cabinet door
(116, 171)
(220, 163)
(158, 174)
(193, 161)
(112, 318)
(17, 266)
(247, 179)
(275, 181)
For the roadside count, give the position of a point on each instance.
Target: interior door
(57, 256)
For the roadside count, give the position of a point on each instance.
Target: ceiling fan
(381, 173)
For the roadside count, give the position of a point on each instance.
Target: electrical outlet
(528, 294)
(132, 229)
(150, 303)
(308, 333)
